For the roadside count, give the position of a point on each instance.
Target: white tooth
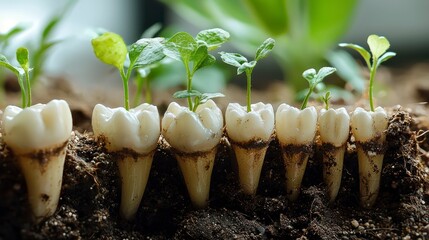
(295, 130)
(38, 136)
(137, 129)
(369, 128)
(295, 126)
(132, 135)
(189, 131)
(243, 126)
(334, 128)
(249, 133)
(194, 137)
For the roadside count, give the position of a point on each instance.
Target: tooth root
(134, 173)
(43, 181)
(250, 161)
(333, 170)
(295, 165)
(197, 171)
(370, 173)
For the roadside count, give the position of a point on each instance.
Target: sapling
(369, 128)
(129, 134)
(296, 130)
(194, 132)
(37, 136)
(334, 128)
(249, 128)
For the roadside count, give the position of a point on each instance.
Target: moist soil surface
(90, 195)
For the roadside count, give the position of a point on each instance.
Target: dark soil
(89, 203)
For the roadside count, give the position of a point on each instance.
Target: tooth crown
(189, 131)
(243, 126)
(37, 127)
(369, 125)
(137, 129)
(295, 126)
(334, 126)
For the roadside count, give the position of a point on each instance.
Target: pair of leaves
(199, 98)
(378, 45)
(241, 63)
(314, 77)
(183, 47)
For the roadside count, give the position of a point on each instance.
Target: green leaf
(208, 60)
(22, 57)
(6, 37)
(309, 74)
(186, 94)
(199, 56)
(324, 72)
(378, 45)
(233, 59)
(213, 37)
(207, 96)
(385, 57)
(146, 51)
(265, 48)
(364, 53)
(5, 63)
(180, 47)
(110, 48)
(245, 67)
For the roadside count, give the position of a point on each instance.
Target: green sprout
(313, 79)
(110, 48)
(242, 64)
(194, 54)
(326, 98)
(378, 46)
(22, 73)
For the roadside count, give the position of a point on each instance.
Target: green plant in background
(378, 46)
(22, 74)
(305, 30)
(242, 64)
(194, 54)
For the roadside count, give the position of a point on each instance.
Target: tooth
(295, 130)
(194, 136)
(131, 136)
(369, 130)
(38, 137)
(334, 130)
(250, 134)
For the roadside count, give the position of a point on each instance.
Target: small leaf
(206, 96)
(213, 37)
(146, 51)
(385, 57)
(245, 67)
(22, 57)
(186, 94)
(233, 59)
(181, 46)
(265, 48)
(199, 56)
(324, 72)
(309, 74)
(209, 60)
(378, 45)
(5, 63)
(110, 48)
(364, 53)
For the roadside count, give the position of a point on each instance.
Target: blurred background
(307, 34)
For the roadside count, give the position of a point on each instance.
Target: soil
(89, 203)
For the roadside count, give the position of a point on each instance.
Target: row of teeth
(38, 135)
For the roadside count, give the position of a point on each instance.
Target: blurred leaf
(347, 68)
(265, 48)
(6, 37)
(269, 15)
(186, 94)
(151, 31)
(362, 51)
(206, 96)
(213, 37)
(385, 57)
